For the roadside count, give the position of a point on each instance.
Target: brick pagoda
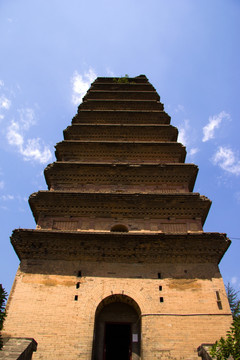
(119, 266)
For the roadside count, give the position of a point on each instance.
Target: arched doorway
(117, 330)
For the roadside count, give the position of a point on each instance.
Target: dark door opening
(117, 341)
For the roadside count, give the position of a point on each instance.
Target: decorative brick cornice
(68, 175)
(125, 132)
(112, 151)
(62, 203)
(86, 116)
(120, 247)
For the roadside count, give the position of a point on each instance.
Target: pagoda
(119, 266)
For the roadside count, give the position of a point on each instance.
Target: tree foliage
(233, 299)
(122, 79)
(3, 298)
(230, 346)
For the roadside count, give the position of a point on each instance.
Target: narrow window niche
(76, 297)
(161, 299)
(77, 285)
(159, 275)
(160, 288)
(79, 274)
(219, 302)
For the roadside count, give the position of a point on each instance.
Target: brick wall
(43, 305)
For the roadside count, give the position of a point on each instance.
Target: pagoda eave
(66, 203)
(120, 247)
(71, 173)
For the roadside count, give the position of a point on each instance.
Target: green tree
(233, 299)
(230, 346)
(3, 298)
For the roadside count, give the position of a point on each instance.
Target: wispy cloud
(185, 136)
(7, 197)
(183, 132)
(179, 108)
(213, 124)
(234, 280)
(5, 103)
(2, 184)
(110, 72)
(31, 149)
(227, 160)
(27, 118)
(193, 151)
(80, 84)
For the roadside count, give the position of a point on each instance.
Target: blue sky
(52, 50)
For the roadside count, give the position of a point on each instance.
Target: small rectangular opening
(160, 288)
(76, 297)
(79, 273)
(159, 275)
(161, 299)
(217, 295)
(219, 304)
(77, 285)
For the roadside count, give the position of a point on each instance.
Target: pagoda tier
(96, 177)
(137, 80)
(120, 247)
(132, 152)
(121, 105)
(151, 133)
(54, 205)
(115, 94)
(121, 117)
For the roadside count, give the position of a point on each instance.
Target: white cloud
(234, 280)
(213, 124)
(13, 135)
(2, 184)
(182, 132)
(27, 117)
(7, 197)
(30, 149)
(227, 160)
(80, 84)
(1, 83)
(193, 151)
(35, 151)
(110, 72)
(179, 108)
(5, 103)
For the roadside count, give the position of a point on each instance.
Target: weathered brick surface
(42, 306)
(121, 117)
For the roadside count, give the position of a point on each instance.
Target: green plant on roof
(122, 79)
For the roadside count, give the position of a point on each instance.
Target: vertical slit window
(219, 302)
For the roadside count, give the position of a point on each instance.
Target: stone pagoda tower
(119, 267)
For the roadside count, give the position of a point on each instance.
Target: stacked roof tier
(121, 170)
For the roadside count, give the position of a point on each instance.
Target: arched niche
(117, 329)
(119, 228)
